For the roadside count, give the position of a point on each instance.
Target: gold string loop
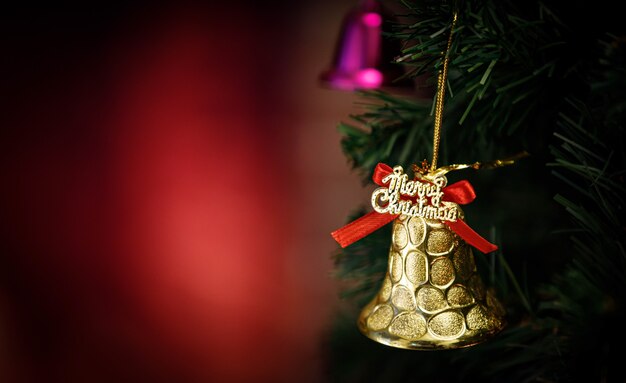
(442, 79)
(476, 165)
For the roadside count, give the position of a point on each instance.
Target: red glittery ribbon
(460, 192)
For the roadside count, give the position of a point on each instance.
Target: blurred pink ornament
(359, 61)
(369, 78)
(358, 49)
(372, 19)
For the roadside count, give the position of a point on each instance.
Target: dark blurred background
(170, 174)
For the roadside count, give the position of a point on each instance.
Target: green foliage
(395, 128)
(523, 76)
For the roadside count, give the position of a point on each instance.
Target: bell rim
(430, 345)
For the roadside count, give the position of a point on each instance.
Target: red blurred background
(170, 175)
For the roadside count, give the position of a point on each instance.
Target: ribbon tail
(470, 236)
(361, 227)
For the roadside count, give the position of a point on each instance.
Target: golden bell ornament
(432, 296)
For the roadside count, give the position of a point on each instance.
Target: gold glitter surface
(402, 298)
(458, 296)
(410, 326)
(442, 303)
(395, 266)
(417, 230)
(385, 290)
(433, 223)
(441, 272)
(448, 325)
(439, 242)
(464, 262)
(400, 237)
(479, 319)
(430, 299)
(417, 267)
(494, 305)
(477, 287)
(380, 318)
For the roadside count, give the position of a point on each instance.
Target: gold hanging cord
(442, 78)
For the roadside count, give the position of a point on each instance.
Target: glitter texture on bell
(432, 296)
(358, 62)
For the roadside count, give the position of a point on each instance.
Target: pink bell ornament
(358, 61)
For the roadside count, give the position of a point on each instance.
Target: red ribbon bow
(460, 192)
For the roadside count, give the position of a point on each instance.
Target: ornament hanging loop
(442, 79)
